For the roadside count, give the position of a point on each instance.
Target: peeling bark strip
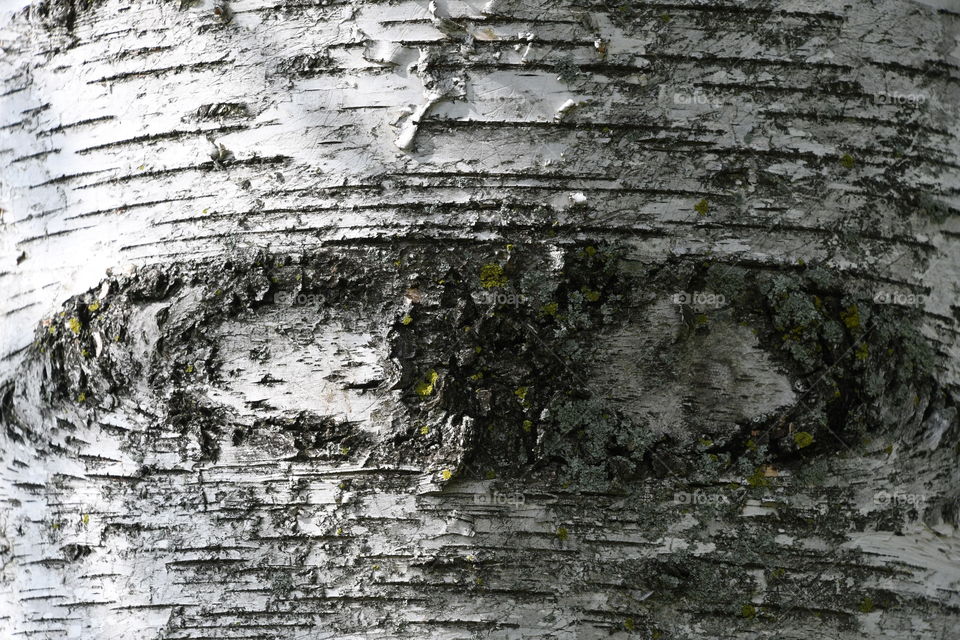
(441, 320)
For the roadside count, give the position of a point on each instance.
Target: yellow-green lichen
(492, 276)
(425, 387)
(759, 478)
(851, 317)
(802, 439)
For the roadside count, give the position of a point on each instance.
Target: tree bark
(508, 320)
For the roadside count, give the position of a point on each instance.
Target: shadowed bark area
(550, 320)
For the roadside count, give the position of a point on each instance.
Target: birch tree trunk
(541, 319)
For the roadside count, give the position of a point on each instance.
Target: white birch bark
(256, 380)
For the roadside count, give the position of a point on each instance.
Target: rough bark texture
(511, 320)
